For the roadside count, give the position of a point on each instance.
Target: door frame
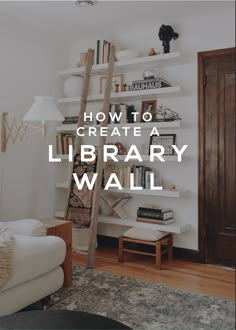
(202, 56)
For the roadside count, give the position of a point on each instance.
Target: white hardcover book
(123, 113)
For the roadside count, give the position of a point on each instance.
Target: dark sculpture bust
(166, 34)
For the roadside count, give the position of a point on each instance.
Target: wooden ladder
(102, 140)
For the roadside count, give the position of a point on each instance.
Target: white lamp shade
(43, 109)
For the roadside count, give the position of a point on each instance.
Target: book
(70, 120)
(157, 222)
(117, 110)
(123, 114)
(59, 143)
(150, 80)
(154, 209)
(102, 51)
(63, 142)
(129, 115)
(153, 84)
(147, 179)
(105, 56)
(154, 213)
(97, 52)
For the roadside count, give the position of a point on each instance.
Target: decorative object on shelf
(127, 54)
(116, 79)
(124, 88)
(152, 83)
(166, 34)
(117, 88)
(165, 140)
(73, 86)
(43, 110)
(85, 3)
(148, 106)
(126, 111)
(116, 205)
(147, 74)
(122, 150)
(172, 187)
(163, 113)
(153, 52)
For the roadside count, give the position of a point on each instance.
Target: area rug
(143, 305)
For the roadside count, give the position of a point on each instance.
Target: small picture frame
(116, 79)
(148, 106)
(165, 140)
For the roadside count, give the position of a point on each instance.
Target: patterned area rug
(143, 305)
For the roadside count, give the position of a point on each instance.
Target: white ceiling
(61, 19)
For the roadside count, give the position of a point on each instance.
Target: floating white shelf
(171, 228)
(128, 96)
(121, 158)
(146, 158)
(135, 64)
(167, 124)
(164, 192)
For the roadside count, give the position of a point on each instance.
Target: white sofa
(36, 264)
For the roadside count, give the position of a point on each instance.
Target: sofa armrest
(28, 227)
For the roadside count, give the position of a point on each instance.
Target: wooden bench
(162, 246)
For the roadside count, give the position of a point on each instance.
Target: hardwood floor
(201, 278)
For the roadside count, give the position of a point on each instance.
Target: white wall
(26, 180)
(210, 31)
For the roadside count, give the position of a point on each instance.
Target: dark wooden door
(217, 150)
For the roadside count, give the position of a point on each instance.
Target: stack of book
(102, 52)
(74, 120)
(70, 120)
(148, 84)
(63, 142)
(141, 176)
(124, 114)
(154, 215)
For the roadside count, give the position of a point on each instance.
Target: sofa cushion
(31, 227)
(34, 256)
(144, 234)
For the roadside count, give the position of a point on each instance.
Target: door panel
(217, 179)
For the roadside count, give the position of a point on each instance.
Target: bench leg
(120, 250)
(158, 255)
(170, 248)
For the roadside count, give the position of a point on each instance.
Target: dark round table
(58, 320)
